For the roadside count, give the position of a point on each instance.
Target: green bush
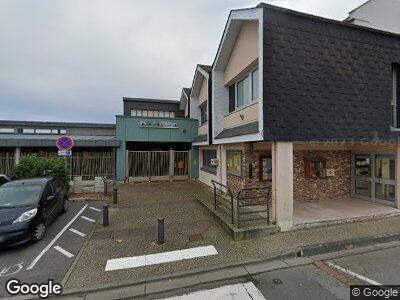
(32, 167)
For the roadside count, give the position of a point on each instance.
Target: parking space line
(88, 219)
(358, 276)
(159, 258)
(63, 251)
(94, 208)
(34, 262)
(77, 232)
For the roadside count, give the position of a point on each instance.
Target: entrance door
(374, 177)
(385, 176)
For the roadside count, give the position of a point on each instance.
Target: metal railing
(223, 199)
(255, 203)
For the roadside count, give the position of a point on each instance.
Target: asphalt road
(51, 257)
(320, 280)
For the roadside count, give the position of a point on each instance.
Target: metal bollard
(115, 196)
(160, 231)
(105, 215)
(105, 187)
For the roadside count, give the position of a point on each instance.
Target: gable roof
(206, 68)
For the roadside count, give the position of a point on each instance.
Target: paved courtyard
(132, 232)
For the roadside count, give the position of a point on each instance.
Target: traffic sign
(64, 143)
(65, 153)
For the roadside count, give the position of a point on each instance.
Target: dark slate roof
(47, 140)
(206, 68)
(54, 124)
(239, 130)
(151, 100)
(325, 80)
(200, 138)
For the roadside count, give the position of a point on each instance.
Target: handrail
(227, 192)
(240, 198)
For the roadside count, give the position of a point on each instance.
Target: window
(166, 114)
(28, 130)
(242, 92)
(172, 114)
(133, 112)
(203, 114)
(255, 85)
(155, 113)
(63, 131)
(6, 130)
(161, 114)
(150, 113)
(234, 162)
(43, 131)
(144, 113)
(314, 168)
(138, 113)
(208, 155)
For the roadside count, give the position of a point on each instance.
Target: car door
(58, 189)
(50, 204)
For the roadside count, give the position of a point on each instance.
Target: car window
(57, 186)
(15, 196)
(48, 190)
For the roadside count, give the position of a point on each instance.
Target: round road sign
(64, 143)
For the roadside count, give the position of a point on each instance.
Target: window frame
(204, 108)
(209, 168)
(252, 100)
(230, 152)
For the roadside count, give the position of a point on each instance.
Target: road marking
(34, 262)
(358, 276)
(11, 270)
(88, 219)
(77, 232)
(63, 251)
(94, 208)
(236, 291)
(159, 258)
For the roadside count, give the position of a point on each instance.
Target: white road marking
(159, 258)
(77, 232)
(63, 251)
(237, 291)
(94, 208)
(88, 219)
(358, 276)
(34, 262)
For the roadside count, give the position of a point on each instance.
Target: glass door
(363, 176)
(385, 176)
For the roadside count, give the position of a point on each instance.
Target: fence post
(127, 165)
(233, 221)
(190, 164)
(171, 163)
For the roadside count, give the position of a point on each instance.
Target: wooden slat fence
(6, 162)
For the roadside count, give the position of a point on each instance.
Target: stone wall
(335, 187)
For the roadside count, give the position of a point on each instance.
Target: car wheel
(39, 231)
(65, 206)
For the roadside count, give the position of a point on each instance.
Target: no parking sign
(64, 144)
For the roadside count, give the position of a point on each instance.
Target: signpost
(64, 144)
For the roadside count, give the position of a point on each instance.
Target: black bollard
(160, 231)
(115, 196)
(105, 187)
(105, 215)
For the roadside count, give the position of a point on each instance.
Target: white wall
(378, 14)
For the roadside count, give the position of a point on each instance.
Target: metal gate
(158, 165)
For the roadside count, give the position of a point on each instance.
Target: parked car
(4, 179)
(27, 207)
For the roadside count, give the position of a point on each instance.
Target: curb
(279, 260)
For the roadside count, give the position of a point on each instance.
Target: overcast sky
(74, 60)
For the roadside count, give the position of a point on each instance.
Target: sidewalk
(188, 224)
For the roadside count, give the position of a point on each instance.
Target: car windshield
(15, 196)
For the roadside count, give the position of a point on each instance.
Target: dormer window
(245, 91)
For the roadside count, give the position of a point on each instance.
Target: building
(304, 104)
(378, 14)
(92, 143)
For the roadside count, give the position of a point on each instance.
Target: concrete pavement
(296, 278)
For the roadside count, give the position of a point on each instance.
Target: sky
(74, 60)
